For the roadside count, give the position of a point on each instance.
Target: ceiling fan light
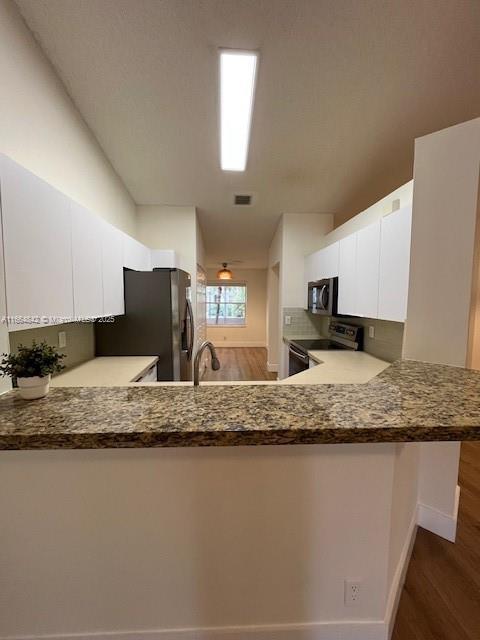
(224, 273)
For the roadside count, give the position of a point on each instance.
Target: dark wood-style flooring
(241, 363)
(441, 596)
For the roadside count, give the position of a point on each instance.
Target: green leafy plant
(37, 360)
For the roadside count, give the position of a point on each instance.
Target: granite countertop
(408, 401)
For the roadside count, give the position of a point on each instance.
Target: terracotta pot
(34, 387)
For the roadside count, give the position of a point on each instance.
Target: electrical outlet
(352, 592)
(288, 319)
(62, 339)
(371, 331)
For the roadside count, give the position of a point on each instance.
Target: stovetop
(323, 344)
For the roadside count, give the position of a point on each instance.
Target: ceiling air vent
(243, 199)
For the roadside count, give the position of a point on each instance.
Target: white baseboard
(348, 630)
(273, 368)
(443, 524)
(399, 576)
(232, 343)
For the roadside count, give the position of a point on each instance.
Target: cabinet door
(112, 271)
(368, 260)
(87, 263)
(347, 275)
(136, 255)
(164, 258)
(38, 252)
(394, 265)
(328, 261)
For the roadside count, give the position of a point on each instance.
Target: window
(227, 305)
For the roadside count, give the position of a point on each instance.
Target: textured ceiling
(344, 87)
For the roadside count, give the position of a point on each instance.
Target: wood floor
(441, 597)
(241, 363)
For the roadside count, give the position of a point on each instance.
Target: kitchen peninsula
(151, 486)
(408, 402)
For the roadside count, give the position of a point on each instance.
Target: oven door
(297, 361)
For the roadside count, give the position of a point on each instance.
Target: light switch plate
(288, 319)
(62, 339)
(371, 331)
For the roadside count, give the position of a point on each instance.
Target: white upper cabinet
(328, 262)
(394, 265)
(162, 258)
(347, 275)
(37, 241)
(136, 255)
(112, 270)
(87, 263)
(368, 262)
(322, 264)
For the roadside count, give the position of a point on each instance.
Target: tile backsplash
(80, 340)
(386, 345)
(302, 323)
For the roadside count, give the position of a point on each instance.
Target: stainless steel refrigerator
(158, 321)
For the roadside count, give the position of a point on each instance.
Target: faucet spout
(196, 365)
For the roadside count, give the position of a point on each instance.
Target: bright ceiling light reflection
(237, 87)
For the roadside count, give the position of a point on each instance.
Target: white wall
(165, 227)
(302, 234)
(296, 236)
(177, 228)
(254, 334)
(445, 201)
(41, 129)
(156, 539)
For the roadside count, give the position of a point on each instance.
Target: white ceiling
(344, 87)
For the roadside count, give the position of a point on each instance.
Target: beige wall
(254, 334)
(161, 540)
(80, 340)
(41, 129)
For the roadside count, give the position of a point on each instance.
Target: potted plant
(32, 368)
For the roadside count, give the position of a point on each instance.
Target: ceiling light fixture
(224, 273)
(238, 71)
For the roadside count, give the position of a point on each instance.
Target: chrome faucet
(196, 366)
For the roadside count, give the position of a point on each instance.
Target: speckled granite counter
(409, 401)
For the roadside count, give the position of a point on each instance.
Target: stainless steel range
(341, 336)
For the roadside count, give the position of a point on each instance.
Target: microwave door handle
(191, 330)
(320, 305)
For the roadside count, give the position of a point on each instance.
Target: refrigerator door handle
(191, 329)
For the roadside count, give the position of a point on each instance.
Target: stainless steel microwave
(322, 297)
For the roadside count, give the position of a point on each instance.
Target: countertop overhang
(408, 402)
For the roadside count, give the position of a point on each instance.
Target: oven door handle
(302, 356)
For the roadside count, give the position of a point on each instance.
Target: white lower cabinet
(347, 275)
(368, 264)
(86, 263)
(112, 270)
(394, 265)
(37, 247)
